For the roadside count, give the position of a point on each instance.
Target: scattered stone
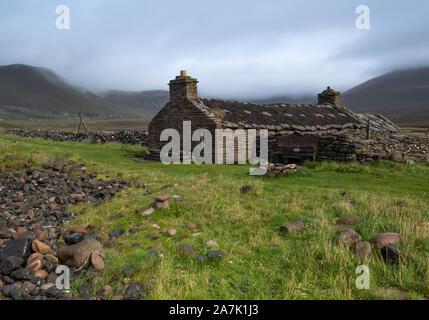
(116, 233)
(17, 248)
(39, 246)
(10, 264)
(78, 255)
(97, 261)
(347, 220)
(176, 198)
(161, 202)
(362, 249)
(134, 292)
(385, 239)
(73, 238)
(191, 226)
(202, 258)
(397, 156)
(391, 254)
(42, 235)
(51, 258)
(105, 291)
(127, 272)
(214, 255)
(293, 227)
(187, 250)
(80, 230)
(211, 244)
(42, 274)
(348, 237)
(171, 232)
(246, 189)
(23, 274)
(148, 212)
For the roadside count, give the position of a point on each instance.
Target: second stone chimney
(183, 88)
(329, 96)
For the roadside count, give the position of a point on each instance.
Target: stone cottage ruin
(297, 132)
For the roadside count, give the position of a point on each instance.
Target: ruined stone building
(323, 131)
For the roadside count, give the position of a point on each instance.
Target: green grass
(261, 263)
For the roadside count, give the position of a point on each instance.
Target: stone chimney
(329, 96)
(183, 88)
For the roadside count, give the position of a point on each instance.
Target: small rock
(79, 254)
(79, 229)
(396, 156)
(97, 261)
(148, 212)
(350, 220)
(73, 238)
(17, 248)
(23, 274)
(171, 232)
(293, 227)
(362, 249)
(348, 237)
(211, 244)
(127, 272)
(105, 291)
(36, 265)
(391, 254)
(162, 204)
(51, 258)
(246, 189)
(161, 198)
(202, 258)
(213, 255)
(10, 264)
(187, 250)
(191, 226)
(41, 235)
(134, 292)
(176, 198)
(116, 233)
(42, 274)
(386, 239)
(40, 247)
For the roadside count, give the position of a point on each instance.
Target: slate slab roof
(263, 115)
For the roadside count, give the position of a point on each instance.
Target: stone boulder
(79, 254)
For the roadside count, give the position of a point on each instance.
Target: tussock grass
(262, 263)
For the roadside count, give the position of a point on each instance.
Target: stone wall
(123, 136)
(343, 147)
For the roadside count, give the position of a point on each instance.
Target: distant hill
(402, 96)
(150, 101)
(33, 92)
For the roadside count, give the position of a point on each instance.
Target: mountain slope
(33, 90)
(402, 96)
(151, 101)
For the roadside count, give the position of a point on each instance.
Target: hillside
(150, 101)
(403, 96)
(33, 92)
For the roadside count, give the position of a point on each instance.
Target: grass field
(261, 262)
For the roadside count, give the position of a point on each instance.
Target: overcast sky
(236, 48)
